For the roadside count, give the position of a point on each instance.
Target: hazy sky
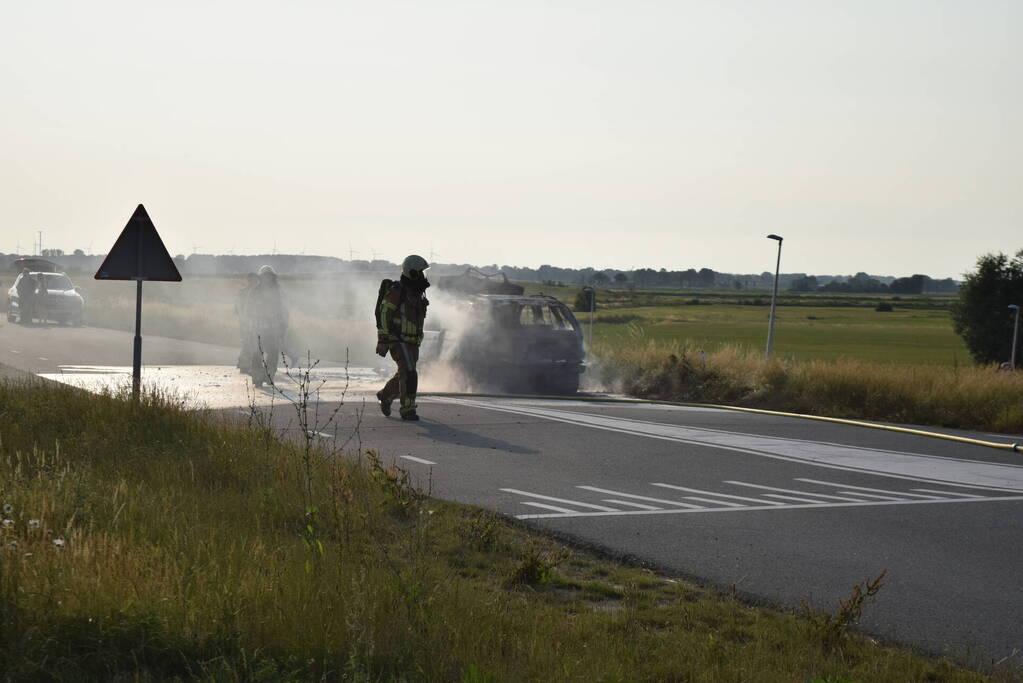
(880, 136)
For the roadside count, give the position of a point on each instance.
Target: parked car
(63, 302)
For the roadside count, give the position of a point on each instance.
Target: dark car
(62, 302)
(519, 344)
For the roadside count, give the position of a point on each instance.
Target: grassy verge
(159, 543)
(973, 397)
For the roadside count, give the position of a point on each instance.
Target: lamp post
(774, 297)
(591, 294)
(1015, 336)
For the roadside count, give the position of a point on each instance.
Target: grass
(191, 548)
(973, 397)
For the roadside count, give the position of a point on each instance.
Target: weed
(536, 565)
(395, 482)
(479, 529)
(831, 629)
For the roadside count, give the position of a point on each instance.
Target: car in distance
(63, 302)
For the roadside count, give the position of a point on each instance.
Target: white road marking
(798, 500)
(871, 495)
(760, 508)
(715, 502)
(419, 460)
(42, 358)
(715, 493)
(635, 505)
(865, 488)
(949, 493)
(896, 464)
(632, 495)
(13, 351)
(798, 493)
(322, 435)
(561, 500)
(548, 507)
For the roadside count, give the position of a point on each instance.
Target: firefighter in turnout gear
(401, 314)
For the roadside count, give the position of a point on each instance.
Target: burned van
(520, 344)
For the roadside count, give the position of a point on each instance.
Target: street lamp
(774, 297)
(1015, 336)
(591, 294)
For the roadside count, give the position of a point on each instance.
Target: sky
(878, 136)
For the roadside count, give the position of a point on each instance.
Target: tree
(621, 278)
(599, 278)
(982, 316)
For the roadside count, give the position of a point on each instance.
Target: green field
(808, 326)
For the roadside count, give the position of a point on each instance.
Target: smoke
(331, 321)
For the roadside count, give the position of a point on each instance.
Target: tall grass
(155, 543)
(973, 397)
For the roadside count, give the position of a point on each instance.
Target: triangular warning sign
(139, 254)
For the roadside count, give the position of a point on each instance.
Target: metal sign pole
(136, 359)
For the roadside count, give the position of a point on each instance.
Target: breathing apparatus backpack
(385, 287)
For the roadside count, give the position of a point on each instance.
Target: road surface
(782, 509)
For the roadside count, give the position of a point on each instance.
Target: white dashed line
(781, 496)
(630, 495)
(602, 508)
(865, 488)
(715, 493)
(549, 507)
(871, 495)
(635, 505)
(949, 493)
(421, 461)
(798, 493)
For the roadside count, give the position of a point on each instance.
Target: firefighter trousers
(406, 380)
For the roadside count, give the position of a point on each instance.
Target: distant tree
(804, 284)
(600, 278)
(982, 316)
(79, 252)
(621, 278)
(585, 299)
(706, 277)
(915, 284)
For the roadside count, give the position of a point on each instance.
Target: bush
(982, 316)
(884, 307)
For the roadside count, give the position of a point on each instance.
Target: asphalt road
(783, 509)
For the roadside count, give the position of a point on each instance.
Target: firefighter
(243, 307)
(402, 313)
(270, 321)
(26, 297)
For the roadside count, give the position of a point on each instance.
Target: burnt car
(62, 302)
(520, 344)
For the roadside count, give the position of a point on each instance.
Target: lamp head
(774, 237)
(1014, 306)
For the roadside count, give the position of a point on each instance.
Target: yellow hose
(1015, 448)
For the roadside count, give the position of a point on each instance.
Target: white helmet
(413, 262)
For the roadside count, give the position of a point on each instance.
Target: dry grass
(974, 397)
(194, 549)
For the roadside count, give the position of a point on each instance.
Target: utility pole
(774, 297)
(40, 242)
(1015, 336)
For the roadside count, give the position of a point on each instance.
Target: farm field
(823, 327)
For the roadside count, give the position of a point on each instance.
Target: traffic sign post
(138, 254)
